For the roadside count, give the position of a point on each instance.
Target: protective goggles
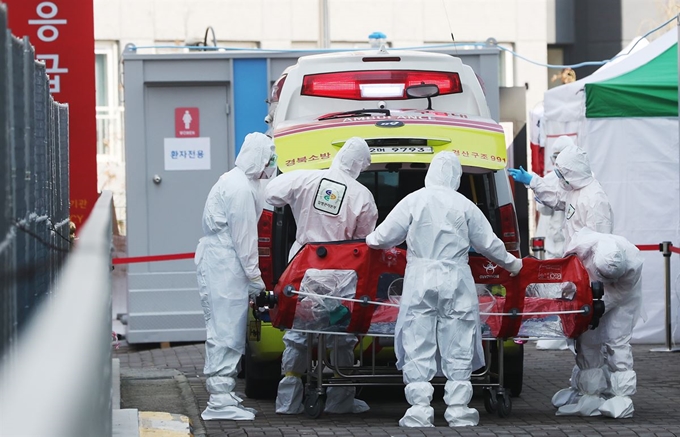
(272, 160)
(559, 174)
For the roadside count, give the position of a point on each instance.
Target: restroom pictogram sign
(186, 122)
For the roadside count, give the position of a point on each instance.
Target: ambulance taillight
(509, 228)
(264, 247)
(377, 84)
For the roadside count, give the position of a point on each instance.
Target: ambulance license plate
(401, 149)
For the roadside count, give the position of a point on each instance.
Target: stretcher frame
(321, 372)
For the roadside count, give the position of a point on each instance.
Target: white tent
(622, 115)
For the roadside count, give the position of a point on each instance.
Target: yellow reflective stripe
(295, 374)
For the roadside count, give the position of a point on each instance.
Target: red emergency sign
(186, 122)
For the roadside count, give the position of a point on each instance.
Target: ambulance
(408, 106)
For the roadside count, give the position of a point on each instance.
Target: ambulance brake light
(377, 84)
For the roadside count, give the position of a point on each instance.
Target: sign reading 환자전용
(187, 153)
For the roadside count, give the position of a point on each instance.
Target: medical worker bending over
(328, 205)
(228, 273)
(579, 195)
(439, 307)
(618, 264)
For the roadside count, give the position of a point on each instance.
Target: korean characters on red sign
(47, 30)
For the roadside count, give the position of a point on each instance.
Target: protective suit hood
(445, 171)
(560, 144)
(353, 158)
(609, 261)
(574, 165)
(256, 151)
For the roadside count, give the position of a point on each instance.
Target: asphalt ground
(171, 380)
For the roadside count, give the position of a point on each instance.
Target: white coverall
(585, 204)
(550, 224)
(579, 195)
(228, 273)
(439, 310)
(550, 221)
(618, 264)
(328, 205)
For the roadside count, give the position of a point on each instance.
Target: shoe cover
(224, 404)
(457, 395)
(566, 396)
(552, 345)
(289, 396)
(591, 383)
(340, 400)
(587, 405)
(228, 413)
(618, 407)
(623, 386)
(220, 384)
(421, 414)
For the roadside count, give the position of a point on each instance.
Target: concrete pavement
(656, 403)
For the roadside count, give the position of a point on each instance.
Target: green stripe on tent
(650, 90)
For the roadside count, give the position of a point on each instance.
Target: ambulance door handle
(157, 179)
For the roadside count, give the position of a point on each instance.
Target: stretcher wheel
(490, 403)
(314, 404)
(503, 405)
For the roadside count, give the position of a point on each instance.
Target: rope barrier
(153, 258)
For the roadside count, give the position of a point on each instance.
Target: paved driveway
(657, 410)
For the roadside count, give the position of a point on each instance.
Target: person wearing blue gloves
(577, 193)
(585, 205)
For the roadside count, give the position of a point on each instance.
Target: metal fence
(59, 381)
(34, 186)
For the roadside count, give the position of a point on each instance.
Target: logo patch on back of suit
(329, 196)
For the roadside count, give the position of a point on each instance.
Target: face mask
(270, 169)
(563, 182)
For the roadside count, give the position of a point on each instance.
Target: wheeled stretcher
(346, 288)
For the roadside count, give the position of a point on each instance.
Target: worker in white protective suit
(579, 195)
(550, 224)
(617, 263)
(551, 221)
(439, 309)
(585, 204)
(328, 205)
(228, 273)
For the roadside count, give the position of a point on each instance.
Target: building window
(555, 57)
(109, 111)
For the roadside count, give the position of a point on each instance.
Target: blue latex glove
(522, 176)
